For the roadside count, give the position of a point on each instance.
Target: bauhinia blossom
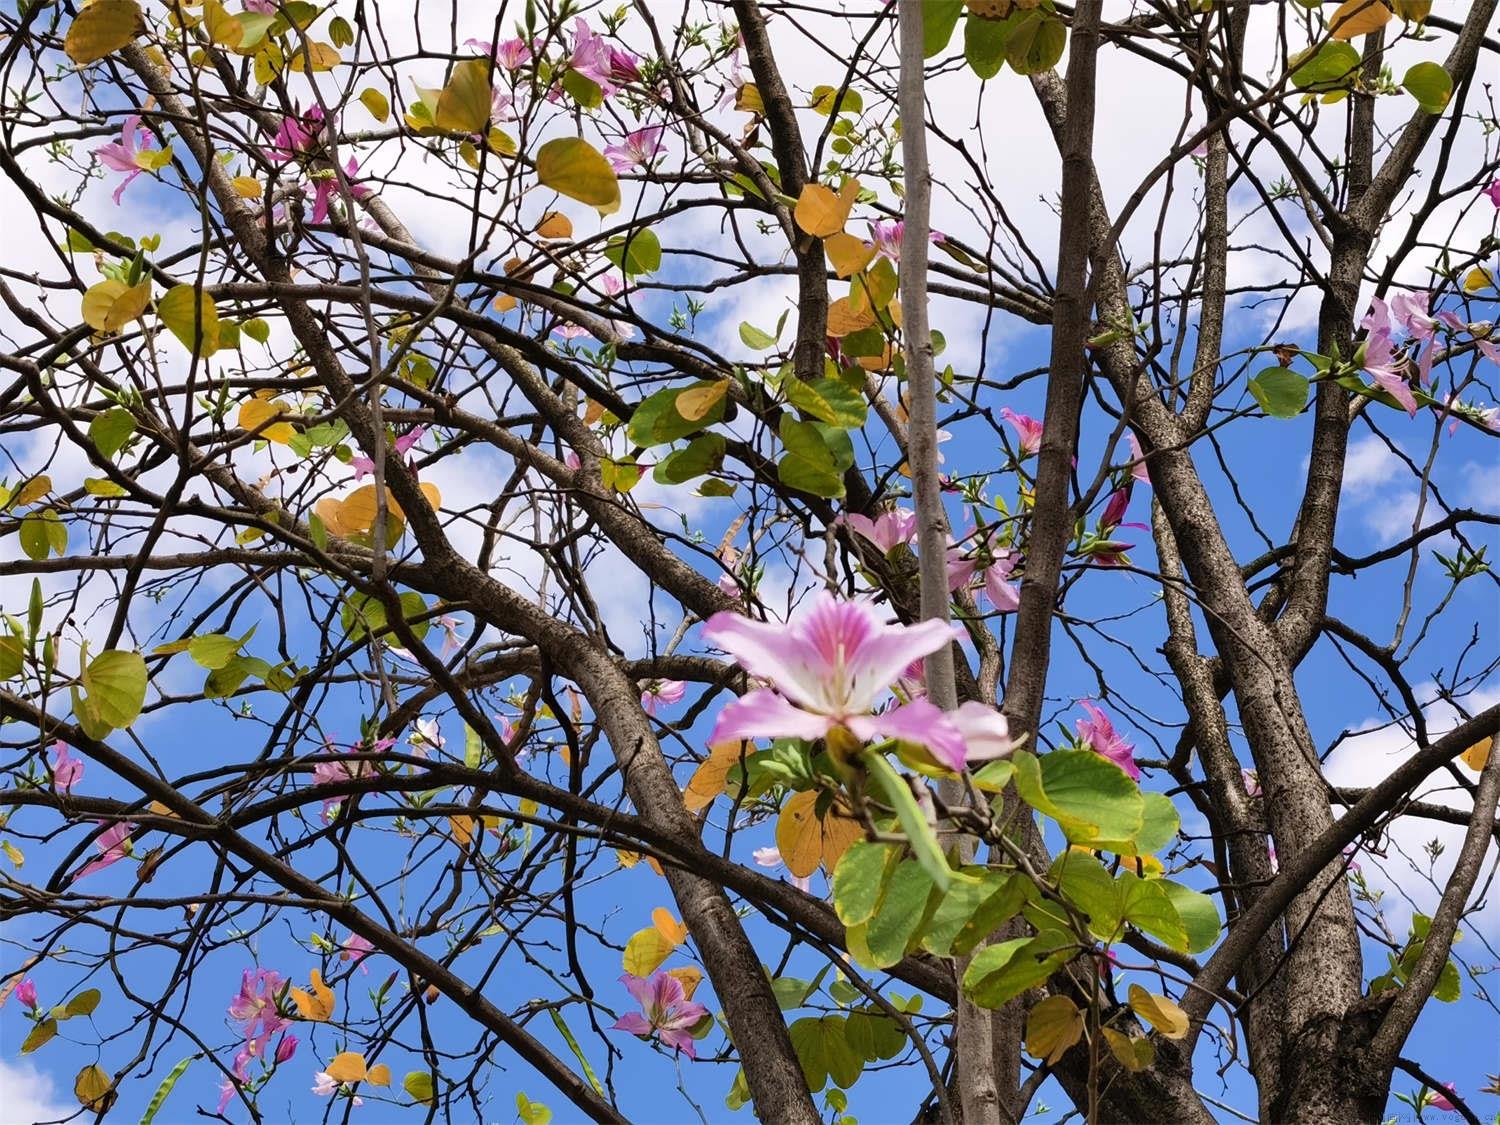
(296, 134)
(1437, 1098)
(325, 184)
(26, 990)
(66, 769)
(661, 691)
(1381, 361)
(356, 949)
(1099, 732)
(1138, 469)
(771, 857)
(1004, 595)
(887, 237)
(888, 530)
(509, 54)
(1493, 191)
(830, 668)
(124, 155)
(666, 1012)
(1028, 431)
(113, 844)
(637, 150)
(364, 466)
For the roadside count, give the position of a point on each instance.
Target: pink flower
(569, 331)
(332, 773)
(985, 732)
(887, 237)
(1099, 732)
(254, 1006)
(226, 1094)
(1493, 191)
(1251, 780)
(263, 7)
(638, 149)
(661, 691)
(286, 1049)
(888, 530)
(452, 639)
(1004, 596)
(830, 668)
(1114, 511)
(1028, 431)
(771, 857)
(296, 134)
(123, 156)
(26, 990)
(1381, 362)
(364, 466)
(1138, 470)
(66, 769)
(113, 844)
(961, 568)
(623, 66)
(665, 1011)
(323, 1084)
(356, 949)
(728, 583)
(592, 56)
(1436, 1098)
(326, 184)
(509, 54)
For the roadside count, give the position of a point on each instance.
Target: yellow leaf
(324, 57)
(255, 413)
(378, 1075)
(17, 857)
(689, 977)
(1053, 1026)
(575, 168)
(376, 102)
(101, 29)
(222, 28)
(627, 859)
(110, 305)
(748, 99)
(805, 841)
(1478, 278)
(592, 412)
(555, 224)
(464, 104)
(712, 774)
(32, 491)
(822, 213)
(844, 320)
(1165, 1016)
(1358, 17)
(847, 254)
(645, 951)
(347, 1066)
(94, 1089)
(877, 362)
(668, 926)
(1476, 757)
(1133, 1054)
(316, 1005)
(695, 403)
(246, 187)
(192, 317)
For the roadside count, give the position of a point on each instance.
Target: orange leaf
(318, 1005)
(463, 829)
(1358, 17)
(504, 303)
(1476, 757)
(378, 1075)
(805, 841)
(555, 224)
(689, 977)
(847, 254)
(668, 926)
(712, 774)
(843, 319)
(820, 212)
(347, 1066)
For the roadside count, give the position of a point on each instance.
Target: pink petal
(634, 1023)
(984, 730)
(764, 714)
(920, 722)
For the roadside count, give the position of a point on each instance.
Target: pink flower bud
(286, 1048)
(26, 992)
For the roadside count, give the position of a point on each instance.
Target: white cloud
(31, 1095)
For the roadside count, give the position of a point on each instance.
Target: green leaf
(656, 420)
(101, 29)
(39, 1035)
(12, 656)
(35, 541)
(110, 430)
(363, 614)
(418, 1084)
(84, 1003)
(858, 879)
(827, 400)
(807, 1041)
(1087, 885)
(1088, 795)
(582, 89)
(919, 834)
(1430, 84)
(845, 1064)
(105, 489)
(1198, 913)
(1147, 906)
(1449, 987)
(213, 650)
(189, 313)
(984, 45)
(703, 455)
(893, 926)
(636, 253)
(1157, 832)
(1000, 972)
(575, 168)
(567, 1034)
(159, 1098)
(1332, 66)
(1280, 392)
(753, 337)
(939, 17)
(827, 100)
(1036, 42)
(257, 329)
(114, 684)
(808, 464)
(873, 1035)
(977, 902)
(464, 104)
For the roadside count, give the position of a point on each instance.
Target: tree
(484, 472)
